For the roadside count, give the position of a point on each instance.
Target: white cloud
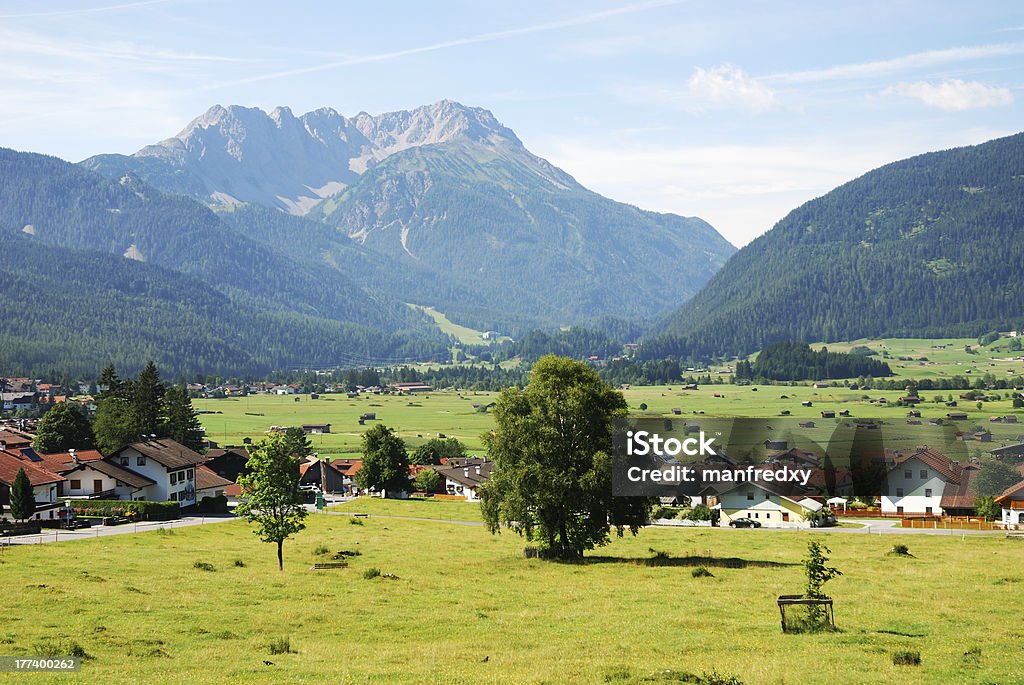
(917, 60)
(729, 86)
(953, 95)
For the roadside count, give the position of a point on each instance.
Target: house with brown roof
(170, 465)
(228, 462)
(464, 476)
(1012, 502)
(209, 483)
(928, 482)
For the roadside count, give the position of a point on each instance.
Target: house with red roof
(45, 484)
(928, 482)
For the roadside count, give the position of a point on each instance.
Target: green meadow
(419, 417)
(465, 606)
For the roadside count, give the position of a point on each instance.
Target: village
(923, 488)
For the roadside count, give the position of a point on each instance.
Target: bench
(328, 565)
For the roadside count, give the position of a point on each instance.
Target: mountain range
(930, 246)
(325, 228)
(450, 208)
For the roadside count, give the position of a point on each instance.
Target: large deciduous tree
(994, 477)
(551, 446)
(385, 462)
(62, 428)
(272, 499)
(436, 449)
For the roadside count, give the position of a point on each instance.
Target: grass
(470, 608)
(464, 334)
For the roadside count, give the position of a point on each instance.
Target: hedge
(147, 511)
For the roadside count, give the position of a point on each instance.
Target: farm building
(463, 477)
(770, 504)
(316, 428)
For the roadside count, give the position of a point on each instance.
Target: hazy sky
(732, 111)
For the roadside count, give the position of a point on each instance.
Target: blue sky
(732, 111)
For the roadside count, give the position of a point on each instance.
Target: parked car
(744, 523)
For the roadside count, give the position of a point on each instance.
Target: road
(57, 535)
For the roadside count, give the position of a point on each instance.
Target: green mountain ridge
(194, 266)
(930, 246)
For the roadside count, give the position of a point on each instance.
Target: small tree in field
(273, 501)
(818, 573)
(23, 503)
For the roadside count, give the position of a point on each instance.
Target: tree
(427, 480)
(385, 462)
(115, 425)
(551, 446)
(436, 449)
(23, 502)
(298, 443)
(994, 477)
(62, 428)
(988, 507)
(272, 498)
(181, 423)
(818, 573)
(148, 399)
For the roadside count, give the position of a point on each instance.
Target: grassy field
(416, 418)
(464, 334)
(468, 608)
(450, 412)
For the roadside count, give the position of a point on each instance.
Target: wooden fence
(950, 523)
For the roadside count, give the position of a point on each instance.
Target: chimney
(74, 457)
(3, 445)
(465, 472)
(478, 469)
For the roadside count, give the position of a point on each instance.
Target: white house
(105, 480)
(170, 465)
(927, 482)
(463, 477)
(1012, 503)
(770, 505)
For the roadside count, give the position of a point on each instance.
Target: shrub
(355, 522)
(321, 550)
(665, 513)
(900, 551)
(213, 505)
(906, 657)
(699, 513)
(62, 647)
(281, 645)
(239, 563)
(204, 566)
(145, 510)
(371, 573)
(701, 572)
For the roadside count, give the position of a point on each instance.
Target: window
(899, 492)
(908, 474)
(124, 461)
(766, 495)
(927, 492)
(191, 474)
(899, 510)
(750, 496)
(924, 474)
(927, 510)
(174, 479)
(140, 460)
(173, 497)
(76, 485)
